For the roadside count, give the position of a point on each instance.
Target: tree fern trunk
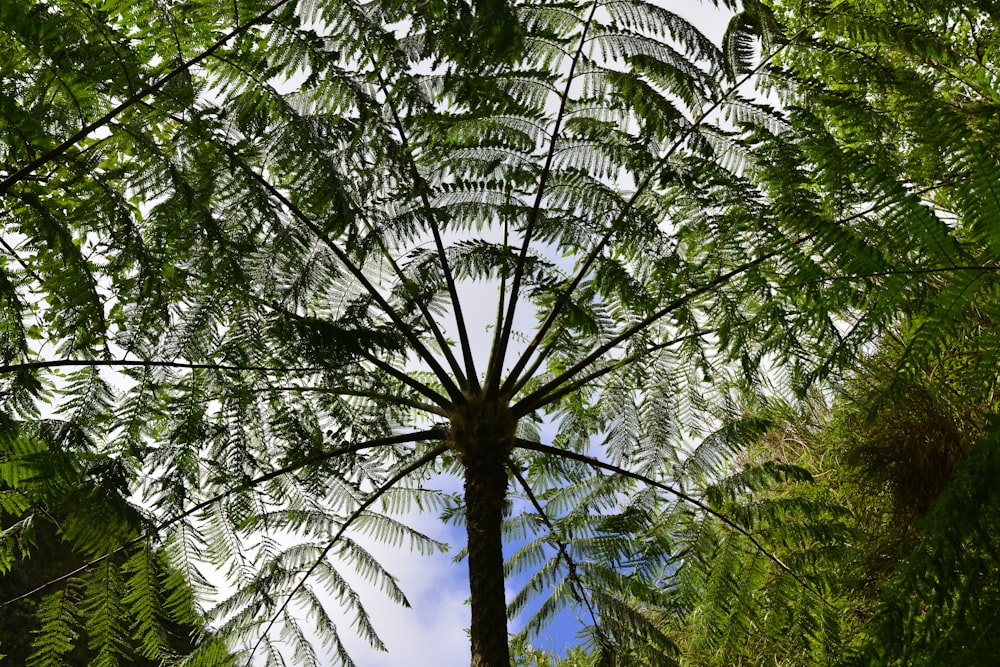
(482, 431)
(485, 491)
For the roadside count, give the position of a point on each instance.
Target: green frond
(142, 598)
(303, 652)
(394, 532)
(928, 593)
(350, 602)
(373, 571)
(103, 609)
(61, 618)
(559, 598)
(210, 651)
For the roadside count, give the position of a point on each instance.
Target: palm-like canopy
(246, 248)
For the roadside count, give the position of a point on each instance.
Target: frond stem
(563, 298)
(499, 352)
(420, 387)
(419, 436)
(531, 401)
(502, 295)
(985, 268)
(17, 258)
(580, 591)
(539, 397)
(360, 393)
(621, 363)
(470, 378)
(453, 391)
(80, 363)
(597, 463)
(408, 381)
(431, 323)
(412, 467)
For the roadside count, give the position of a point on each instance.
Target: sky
(433, 632)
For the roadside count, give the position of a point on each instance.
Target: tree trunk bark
(485, 492)
(482, 432)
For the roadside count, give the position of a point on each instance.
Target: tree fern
(272, 217)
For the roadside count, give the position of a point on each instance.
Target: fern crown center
(482, 423)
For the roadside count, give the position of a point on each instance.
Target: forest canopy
(694, 341)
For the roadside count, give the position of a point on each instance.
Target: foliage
(896, 525)
(896, 556)
(912, 86)
(524, 654)
(906, 561)
(128, 603)
(243, 248)
(943, 598)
